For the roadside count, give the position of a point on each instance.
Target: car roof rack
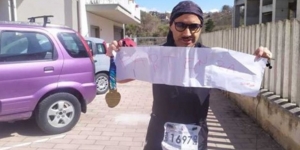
(45, 17)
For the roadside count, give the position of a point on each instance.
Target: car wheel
(58, 113)
(102, 82)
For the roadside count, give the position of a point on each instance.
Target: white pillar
(124, 31)
(83, 19)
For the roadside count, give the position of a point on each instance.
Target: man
(180, 105)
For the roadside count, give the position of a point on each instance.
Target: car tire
(58, 113)
(105, 80)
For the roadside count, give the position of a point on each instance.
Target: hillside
(221, 20)
(155, 24)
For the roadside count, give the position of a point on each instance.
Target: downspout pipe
(14, 10)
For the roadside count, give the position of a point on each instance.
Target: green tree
(161, 31)
(132, 30)
(209, 25)
(226, 8)
(148, 27)
(149, 24)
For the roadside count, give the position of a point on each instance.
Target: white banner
(192, 67)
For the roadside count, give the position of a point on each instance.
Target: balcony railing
(129, 5)
(267, 8)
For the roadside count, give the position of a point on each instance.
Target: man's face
(186, 30)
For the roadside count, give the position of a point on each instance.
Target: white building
(105, 19)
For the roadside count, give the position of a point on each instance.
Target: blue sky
(167, 5)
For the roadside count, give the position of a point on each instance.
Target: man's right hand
(113, 46)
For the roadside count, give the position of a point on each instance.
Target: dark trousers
(155, 133)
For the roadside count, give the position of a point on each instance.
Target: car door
(29, 67)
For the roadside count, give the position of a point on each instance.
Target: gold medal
(112, 98)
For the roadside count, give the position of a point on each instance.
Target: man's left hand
(263, 52)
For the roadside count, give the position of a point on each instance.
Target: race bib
(180, 136)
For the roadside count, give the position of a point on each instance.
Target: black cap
(186, 7)
(183, 7)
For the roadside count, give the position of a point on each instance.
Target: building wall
(280, 10)
(106, 26)
(4, 10)
(252, 12)
(71, 14)
(262, 11)
(64, 11)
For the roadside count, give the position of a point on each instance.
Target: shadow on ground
(26, 128)
(231, 128)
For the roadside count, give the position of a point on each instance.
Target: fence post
(278, 63)
(273, 50)
(267, 44)
(257, 35)
(250, 34)
(237, 35)
(262, 42)
(232, 39)
(246, 35)
(285, 60)
(220, 38)
(241, 30)
(229, 39)
(295, 63)
(246, 40)
(252, 43)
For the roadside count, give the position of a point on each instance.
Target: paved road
(124, 127)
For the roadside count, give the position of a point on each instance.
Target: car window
(44, 42)
(24, 46)
(73, 45)
(90, 44)
(100, 49)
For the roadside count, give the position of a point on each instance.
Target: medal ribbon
(112, 74)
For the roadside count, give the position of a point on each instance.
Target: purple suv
(46, 72)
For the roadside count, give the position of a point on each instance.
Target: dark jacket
(185, 105)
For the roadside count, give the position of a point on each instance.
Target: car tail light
(87, 48)
(105, 46)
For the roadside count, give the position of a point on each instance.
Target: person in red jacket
(177, 107)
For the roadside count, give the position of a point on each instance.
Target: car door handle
(48, 69)
(95, 60)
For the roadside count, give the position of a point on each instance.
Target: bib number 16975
(181, 139)
(180, 136)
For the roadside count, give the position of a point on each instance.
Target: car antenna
(46, 19)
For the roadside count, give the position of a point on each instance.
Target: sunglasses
(194, 27)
